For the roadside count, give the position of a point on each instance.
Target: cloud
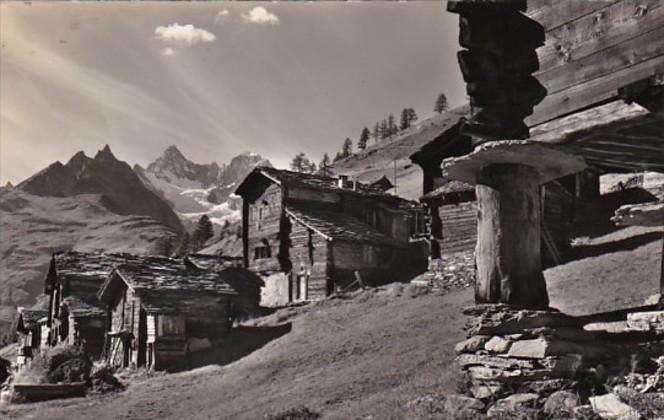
(260, 15)
(221, 15)
(168, 51)
(183, 34)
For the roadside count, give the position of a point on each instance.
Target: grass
(366, 356)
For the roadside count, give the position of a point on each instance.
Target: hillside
(382, 158)
(368, 356)
(32, 227)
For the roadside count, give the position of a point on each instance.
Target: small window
(263, 251)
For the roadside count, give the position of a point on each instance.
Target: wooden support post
(661, 274)
(508, 246)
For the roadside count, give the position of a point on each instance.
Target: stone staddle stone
(549, 161)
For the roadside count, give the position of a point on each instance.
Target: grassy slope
(33, 227)
(370, 355)
(383, 157)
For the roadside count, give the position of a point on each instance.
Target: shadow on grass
(240, 342)
(586, 251)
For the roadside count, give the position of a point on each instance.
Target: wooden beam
(554, 13)
(593, 33)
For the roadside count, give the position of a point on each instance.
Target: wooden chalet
(28, 331)
(75, 315)
(309, 235)
(158, 313)
(246, 283)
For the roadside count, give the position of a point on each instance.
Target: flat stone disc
(550, 161)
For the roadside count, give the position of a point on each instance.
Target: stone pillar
(508, 244)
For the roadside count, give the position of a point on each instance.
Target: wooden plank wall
(268, 229)
(592, 49)
(306, 244)
(459, 227)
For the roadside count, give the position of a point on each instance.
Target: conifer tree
(347, 148)
(441, 104)
(364, 138)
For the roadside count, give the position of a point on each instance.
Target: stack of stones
(512, 350)
(452, 271)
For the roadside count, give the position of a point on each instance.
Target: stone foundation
(513, 352)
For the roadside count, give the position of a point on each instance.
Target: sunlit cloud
(183, 34)
(260, 15)
(221, 16)
(168, 51)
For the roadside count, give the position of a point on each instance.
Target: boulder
(462, 407)
(561, 402)
(465, 360)
(486, 390)
(472, 344)
(609, 406)
(541, 347)
(497, 345)
(514, 404)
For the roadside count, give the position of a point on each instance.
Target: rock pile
(545, 361)
(451, 271)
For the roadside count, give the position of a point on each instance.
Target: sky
(214, 78)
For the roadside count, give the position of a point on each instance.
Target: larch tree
(441, 104)
(347, 148)
(364, 138)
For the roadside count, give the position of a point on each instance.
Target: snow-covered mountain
(194, 189)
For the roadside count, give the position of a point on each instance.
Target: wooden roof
(28, 319)
(304, 180)
(446, 141)
(335, 226)
(165, 285)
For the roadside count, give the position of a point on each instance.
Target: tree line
(382, 130)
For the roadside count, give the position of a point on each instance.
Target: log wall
(592, 49)
(263, 226)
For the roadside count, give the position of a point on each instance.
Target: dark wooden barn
(158, 313)
(452, 205)
(28, 331)
(75, 316)
(310, 235)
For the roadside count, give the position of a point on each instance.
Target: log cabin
(75, 315)
(28, 331)
(159, 313)
(310, 235)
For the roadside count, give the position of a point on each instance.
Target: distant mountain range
(101, 204)
(122, 191)
(194, 189)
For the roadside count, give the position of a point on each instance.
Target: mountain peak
(173, 151)
(105, 154)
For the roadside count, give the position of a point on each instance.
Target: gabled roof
(299, 179)
(82, 266)
(441, 138)
(28, 319)
(334, 226)
(165, 285)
